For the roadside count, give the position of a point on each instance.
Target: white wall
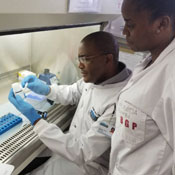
(15, 52)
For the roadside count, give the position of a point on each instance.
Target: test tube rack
(8, 121)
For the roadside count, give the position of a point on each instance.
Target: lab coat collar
(121, 76)
(164, 53)
(140, 69)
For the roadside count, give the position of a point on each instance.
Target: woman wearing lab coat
(144, 141)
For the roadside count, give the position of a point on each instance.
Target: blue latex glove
(36, 85)
(25, 108)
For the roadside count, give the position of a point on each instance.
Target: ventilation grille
(16, 142)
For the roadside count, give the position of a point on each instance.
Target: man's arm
(81, 149)
(66, 94)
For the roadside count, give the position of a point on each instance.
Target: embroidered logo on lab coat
(130, 124)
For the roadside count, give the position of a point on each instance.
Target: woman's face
(139, 31)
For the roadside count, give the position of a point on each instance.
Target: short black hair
(105, 42)
(157, 8)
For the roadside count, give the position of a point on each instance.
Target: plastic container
(48, 77)
(18, 90)
(24, 73)
(9, 121)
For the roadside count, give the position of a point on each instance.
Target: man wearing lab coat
(84, 150)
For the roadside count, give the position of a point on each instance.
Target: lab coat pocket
(88, 120)
(130, 123)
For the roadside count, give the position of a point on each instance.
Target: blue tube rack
(8, 121)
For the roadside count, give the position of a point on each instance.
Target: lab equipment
(48, 77)
(18, 90)
(24, 73)
(25, 108)
(36, 85)
(34, 96)
(8, 121)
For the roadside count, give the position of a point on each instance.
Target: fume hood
(35, 15)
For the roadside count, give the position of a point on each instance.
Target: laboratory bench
(20, 145)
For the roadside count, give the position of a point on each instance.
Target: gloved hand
(25, 108)
(36, 85)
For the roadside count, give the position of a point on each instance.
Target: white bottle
(18, 90)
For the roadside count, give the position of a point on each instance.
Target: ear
(109, 58)
(164, 24)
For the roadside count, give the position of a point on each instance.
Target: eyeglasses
(86, 59)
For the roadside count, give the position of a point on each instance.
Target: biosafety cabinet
(37, 35)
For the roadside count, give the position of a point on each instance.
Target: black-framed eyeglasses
(86, 59)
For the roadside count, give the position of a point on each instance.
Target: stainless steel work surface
(21, 147)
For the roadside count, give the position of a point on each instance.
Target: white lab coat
(84, 146)
(143, 143)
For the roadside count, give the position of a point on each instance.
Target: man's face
(92, 63)
(139, 31)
